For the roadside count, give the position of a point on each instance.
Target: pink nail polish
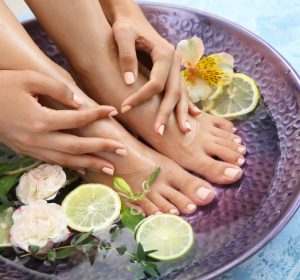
(203, 193)
(129, 78)
(113, 113)
(232, 172)
(240, 161)
(237, 140)
(188, 125)
(161, 130)
(108, 171)
(121, 152)
(242, 149)
(191, 207)
(126, 109)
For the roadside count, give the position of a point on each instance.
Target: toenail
(188, 125)
(237, 140)
(108, 171)
(203, 193)
(161, 130)
(242, 149)
(121, 152)
(174, 212)
(157, 213)
(191, 207)
(232, 172)
(126, 109)
(234, 129)
(240, 161)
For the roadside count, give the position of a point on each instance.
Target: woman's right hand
(32, 129)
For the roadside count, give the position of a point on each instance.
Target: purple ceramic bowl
(248, 214)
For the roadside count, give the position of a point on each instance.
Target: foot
(210, 149)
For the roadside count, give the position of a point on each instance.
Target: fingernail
(78, 100)
(174, 212)
(108, 171)
(113, 113)
(161, 130)
(126, 109)
(237, 140)
(203, 193)
(242, 149)
(234, 129)
(121, 152)
(198, 110)
(241, 161)
(188, 125)
(232, 172)
(191, 207)
(129, 78)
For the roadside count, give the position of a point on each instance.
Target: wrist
(117, 9)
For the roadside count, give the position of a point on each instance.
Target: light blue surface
(278, 23)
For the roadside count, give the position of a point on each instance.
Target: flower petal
(198, 90)
(191, 51)
(225, 62)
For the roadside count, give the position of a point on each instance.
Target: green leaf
(150, 270)
(115, 234)
(121, 250)
(140, 274)
(82, 238)
(121, 185)
(7, 182)
(4, 203)
(153, 177)
(140, 252)
(51, 255)
(130, 219)
(64, 253)
(33, 249)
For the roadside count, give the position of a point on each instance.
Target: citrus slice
(6, 222)
(170, 235)
(91, 207)
(238, 98)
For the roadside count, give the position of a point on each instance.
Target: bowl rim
(290, 210)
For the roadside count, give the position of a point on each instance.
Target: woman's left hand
(132, 31)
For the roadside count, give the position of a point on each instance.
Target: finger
(76, 145)
(193, 109)
(68, 119)
(182, 112)
(154, 86)
(43, 85)
(90, 162)
(125, 40)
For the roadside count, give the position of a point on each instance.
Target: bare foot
(210, 149)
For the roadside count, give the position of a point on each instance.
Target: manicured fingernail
(174, 212)
(234, 129)
(129, 78)
(232, 172)
(188, 125)
(126, 109)
(240, 161)
(121, 152)
(203, 193)
(237, 140)
(81, 171)
(191, 207)
(113, 113)
(78, 100)
(242, 149)
(108, 171)
(198, 110)
(161, 130)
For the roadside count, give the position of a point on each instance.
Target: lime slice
(91, 207)
(6, 222)
(170, 235)
(238, 98)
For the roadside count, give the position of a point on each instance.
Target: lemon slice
(170, 235)
(6, 222)
(238, 98)
(91, 207)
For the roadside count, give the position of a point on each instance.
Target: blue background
(278, 23)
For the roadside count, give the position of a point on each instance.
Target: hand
(132, 31)
(29, 128)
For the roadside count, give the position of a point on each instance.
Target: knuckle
(75, 148)
(157, 86)
(39, 126)
(62, 160)
(83, 119)
(120, 28)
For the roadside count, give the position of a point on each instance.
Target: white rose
(39, 223)
(42, 182)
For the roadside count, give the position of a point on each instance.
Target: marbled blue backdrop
(278, 23)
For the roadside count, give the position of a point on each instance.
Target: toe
(218, 171)
(220, 133)
(183, 202)
(148, 206)
(226, 154)
(238, 148)
(224, 124)
(163, 204)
